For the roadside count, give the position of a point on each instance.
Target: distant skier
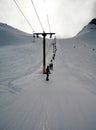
(53, 57)
(51, 60)
(93, 49)
(47, 73)
(51, 66)
(54, 54)
(74, 46)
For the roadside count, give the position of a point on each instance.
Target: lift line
(44, 48)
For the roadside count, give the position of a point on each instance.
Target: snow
(66, 102)
(10, 36)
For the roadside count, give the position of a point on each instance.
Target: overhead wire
(24, 15)
(37, 15)
(48, 23)
(47, 18)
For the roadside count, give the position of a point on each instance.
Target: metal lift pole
(44, 53)
(44, 48)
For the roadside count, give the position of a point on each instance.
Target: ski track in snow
(66, 102)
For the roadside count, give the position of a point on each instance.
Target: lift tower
(44, 48)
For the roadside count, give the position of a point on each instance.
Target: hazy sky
(66, 17)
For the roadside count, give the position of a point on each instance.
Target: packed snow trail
(66, 102)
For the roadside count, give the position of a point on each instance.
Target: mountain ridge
(10, 35)
(91, 26)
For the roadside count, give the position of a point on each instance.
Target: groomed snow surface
(66, 102)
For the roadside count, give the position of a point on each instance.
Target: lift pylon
(44, 48)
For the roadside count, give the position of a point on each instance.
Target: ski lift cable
(23, 15)
(37, 15)
(47, 19)
(48, 23)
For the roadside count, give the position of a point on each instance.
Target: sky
(66, 17)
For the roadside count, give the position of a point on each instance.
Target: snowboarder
(47, 73)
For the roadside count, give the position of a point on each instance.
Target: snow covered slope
(66, 102)
(10, 35)
(88, 34)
